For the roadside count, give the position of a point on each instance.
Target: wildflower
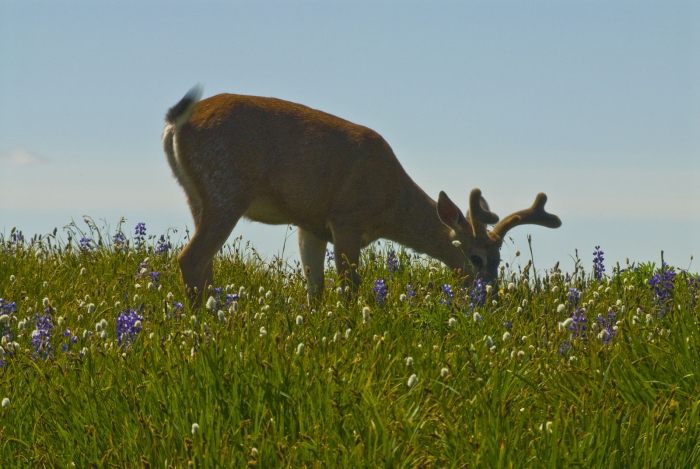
(445, 372)
(478, 294)
(566, 324)
(511, 286)
(456, 243)
(662, 285)
(519, 310)
(41, 336)
(506, 336)
(447, 290)
(128, 326)
(82, 271)
(412, 380)
(85, 244)
(392, 262)
(365, 315)
(561, 308)
(300, 320)
(573, 296)
(5, 402)
(12, 278)
(520, 355)
(162, 247)
(598, 267)
(409, 361)
(300, 348)
(380, 291)
(477, 317)
(263, 332)
(330, 255)
(212, 304)
(451, 322)
(488, 340)
(347, 333)
(140, 233)
(222, 315)
(195, 429)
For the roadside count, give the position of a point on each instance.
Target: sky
(595, 103)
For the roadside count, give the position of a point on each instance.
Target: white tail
(278, 162)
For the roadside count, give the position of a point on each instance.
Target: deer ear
(449, 213)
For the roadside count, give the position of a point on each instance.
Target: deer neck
(418, 227)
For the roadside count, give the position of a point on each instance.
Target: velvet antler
(535, 215)
(479, 214)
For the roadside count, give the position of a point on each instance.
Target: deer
(277, 162)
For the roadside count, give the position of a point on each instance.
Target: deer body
(277, 162)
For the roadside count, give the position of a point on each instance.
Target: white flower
(566, 324)
(339, 291)
(347, 333)
(241, 291)
(261, 290)
(445, 372)
(506, 336)
(561, 308)
(403, 297)
(494, 302)
(170, 296)
(91, 308)
(452, 322)
(488, 341)
(12, 278)
(268, 295)
(477, 317)
(336, 337)
(263, 332)
(330, 314)
(300, 348)
(103, 334)
(254, 452)
(519, 310)
(222, 315)
(151, 286)
(137, 324)
(59, 320)
(4, 319)
(193, 320)
(456, 243)
(524, 338)
(233, 308)
(211, 303)
(409, 361)
(46, 284)
(511, 286)
(521, 354)
(136, 299)
(493, 349)
(300, 320)
(489, 288)
(195, 429)
(117, 305)
(555, 289)
(649, 319)
(524, 303)
(412, 380)
(365, 315)
(46, 302)
(5, 402)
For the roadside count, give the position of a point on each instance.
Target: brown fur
(278, 162)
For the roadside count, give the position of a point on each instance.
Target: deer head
(477, 252)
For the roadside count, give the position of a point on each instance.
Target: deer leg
(312, 250)
(196, 260)
(347, 259)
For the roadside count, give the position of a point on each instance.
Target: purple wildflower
(409, 291)
(140, 233)
(41, 336)
(230, 298)
(162, 247)
(330, 255)
(392, 263)
(128, 326)
(661, 285)
(598, 267)
(574, 295)
(380, 291)
(119, 240)
(85, 244)
(478, 293)
(607, 327)
(155, 277)
(447, 290)
(578, 326)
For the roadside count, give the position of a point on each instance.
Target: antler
(479, 214)
(534, 215)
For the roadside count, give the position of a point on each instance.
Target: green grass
(631, 402)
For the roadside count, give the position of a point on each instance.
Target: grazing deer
(278, 162)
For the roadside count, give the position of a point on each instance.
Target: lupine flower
(119, 240)
(447, 290)
(573, 296)
(409, 291)
(162, 247)
(478, 294)
(380, 291)
(41, 336)
(607, 327)
(598, 267)
(662, 285)
(140, 233)
(392, 263)
(128, 326)
(85, 244)
(578, 326)
(330, 255)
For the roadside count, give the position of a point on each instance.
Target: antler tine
(479, 214)
(535, 215)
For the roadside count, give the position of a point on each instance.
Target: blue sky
(595, 103)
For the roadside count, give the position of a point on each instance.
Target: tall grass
(502, 379)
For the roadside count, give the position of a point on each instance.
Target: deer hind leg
(312, 250)
(196, 260)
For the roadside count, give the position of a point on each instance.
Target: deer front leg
(347, 258)
(312, 250)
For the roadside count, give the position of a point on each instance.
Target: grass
(514, 389)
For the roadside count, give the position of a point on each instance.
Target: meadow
(104, 364)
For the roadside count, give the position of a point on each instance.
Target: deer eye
(477, 261)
